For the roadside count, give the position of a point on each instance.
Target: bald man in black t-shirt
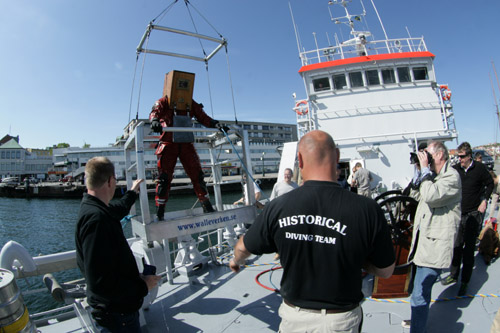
(325, 236)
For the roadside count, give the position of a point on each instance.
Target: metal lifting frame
(221, 41)
(171, 229)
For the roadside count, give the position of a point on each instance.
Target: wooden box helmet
(178, 87)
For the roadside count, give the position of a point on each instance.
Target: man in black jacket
(115, 289)
(477, 185)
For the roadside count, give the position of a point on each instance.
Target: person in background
(437, 190)
(256, 189)
(325, 236)
(494, 194)
(477, 186)
(115, 288)
(416, 165)
(284, 186)
(361, 180)
(478, 157)
(341, 178)
(350, 181)
(489, 243)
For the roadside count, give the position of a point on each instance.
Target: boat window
(420, 73)
(404, 74)
(321, 84)
(372, 77)
(356, 79)
(339, 82)
(388, 76)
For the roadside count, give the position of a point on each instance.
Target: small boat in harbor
(379, 99)
(13, 181)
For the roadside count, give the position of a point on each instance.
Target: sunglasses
(462, 156)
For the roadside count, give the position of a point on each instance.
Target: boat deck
(217, 300)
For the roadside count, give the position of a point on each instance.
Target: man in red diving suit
(171, 147)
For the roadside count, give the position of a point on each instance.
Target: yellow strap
(18, 325)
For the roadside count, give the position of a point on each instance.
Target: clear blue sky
(66, 67)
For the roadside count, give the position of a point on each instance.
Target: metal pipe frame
(221, 42)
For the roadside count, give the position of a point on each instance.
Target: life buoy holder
(445, 92)
(301, 108)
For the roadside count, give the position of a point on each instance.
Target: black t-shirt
(323, 234)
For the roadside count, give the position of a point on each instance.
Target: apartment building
(265, 140)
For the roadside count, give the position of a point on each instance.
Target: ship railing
(136, 141)
(172, 244)
(447, 117)
(447, 114)
(305, 124)
(344, 51)
(356, 112)
(443, 134)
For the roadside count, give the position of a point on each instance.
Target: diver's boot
(207, 206)
(160, 212)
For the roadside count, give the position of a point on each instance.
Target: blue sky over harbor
(67, 67)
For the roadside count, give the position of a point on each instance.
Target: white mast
(294, 27)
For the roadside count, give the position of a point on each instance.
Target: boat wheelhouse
(377, 98)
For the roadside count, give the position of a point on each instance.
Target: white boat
(379, 99)
(10, 181)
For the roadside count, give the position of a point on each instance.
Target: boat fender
(14, 256)
(445, 92)
(299, 109)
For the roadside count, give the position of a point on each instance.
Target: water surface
(45, 226)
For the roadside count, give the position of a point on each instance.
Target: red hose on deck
(263, 272)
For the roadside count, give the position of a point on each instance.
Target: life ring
(299, 109)
(445, 92)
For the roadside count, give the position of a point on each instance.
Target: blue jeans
(421, 297)
(119, 322)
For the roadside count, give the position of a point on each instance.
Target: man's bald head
(318, 155)
(318, 146)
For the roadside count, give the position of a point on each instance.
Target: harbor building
(57, 163)
(16, 161)
(265, 141)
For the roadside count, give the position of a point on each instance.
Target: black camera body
(414, 158)
(148, 269)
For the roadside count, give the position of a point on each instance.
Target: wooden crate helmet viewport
(178, 87)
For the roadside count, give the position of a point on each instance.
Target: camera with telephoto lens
(414, 158)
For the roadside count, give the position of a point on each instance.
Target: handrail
(343, 51)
